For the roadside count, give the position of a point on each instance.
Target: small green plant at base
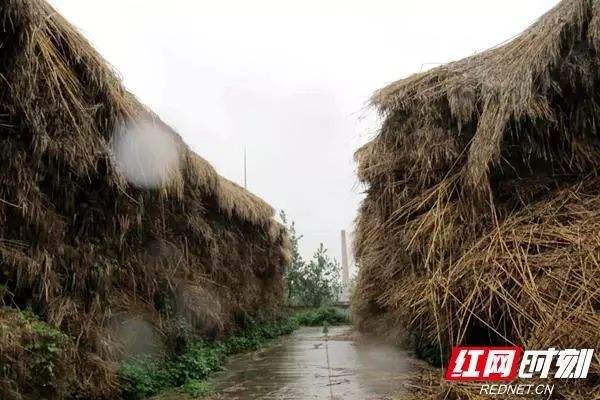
(199, 361)
(188, 371)
(143, 377)
(36, 358)
(317, 317)
(197, 388)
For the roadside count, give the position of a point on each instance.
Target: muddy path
(312, 365)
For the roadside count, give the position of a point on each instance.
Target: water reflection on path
(305, 365)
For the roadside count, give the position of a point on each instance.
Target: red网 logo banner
(505, 363)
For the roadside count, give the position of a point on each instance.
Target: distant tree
(312, 283)
(321, 279)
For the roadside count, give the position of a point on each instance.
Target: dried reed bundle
(481, 221)
(79, 244)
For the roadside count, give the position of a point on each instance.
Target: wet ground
(311, 365)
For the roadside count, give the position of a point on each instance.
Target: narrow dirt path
(311, 365)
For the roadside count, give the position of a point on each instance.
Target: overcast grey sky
(288, 80)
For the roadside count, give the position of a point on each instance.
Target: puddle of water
(307, 365)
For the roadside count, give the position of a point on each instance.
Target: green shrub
(198, 361)
(36, 358)
(144, 377)
(45, 350)
(317, 317)
(196, 388)
(188, 371)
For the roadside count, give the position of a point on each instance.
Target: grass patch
(187, 372)
(196, 388)
(35, 357)
(322, 316)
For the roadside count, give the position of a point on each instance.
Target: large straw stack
(481, 223)
(86, 251)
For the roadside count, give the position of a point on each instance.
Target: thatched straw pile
(81, 247)
(482, 217)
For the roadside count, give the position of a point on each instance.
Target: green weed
(196, 388)
(144, 377)
(319, 316)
